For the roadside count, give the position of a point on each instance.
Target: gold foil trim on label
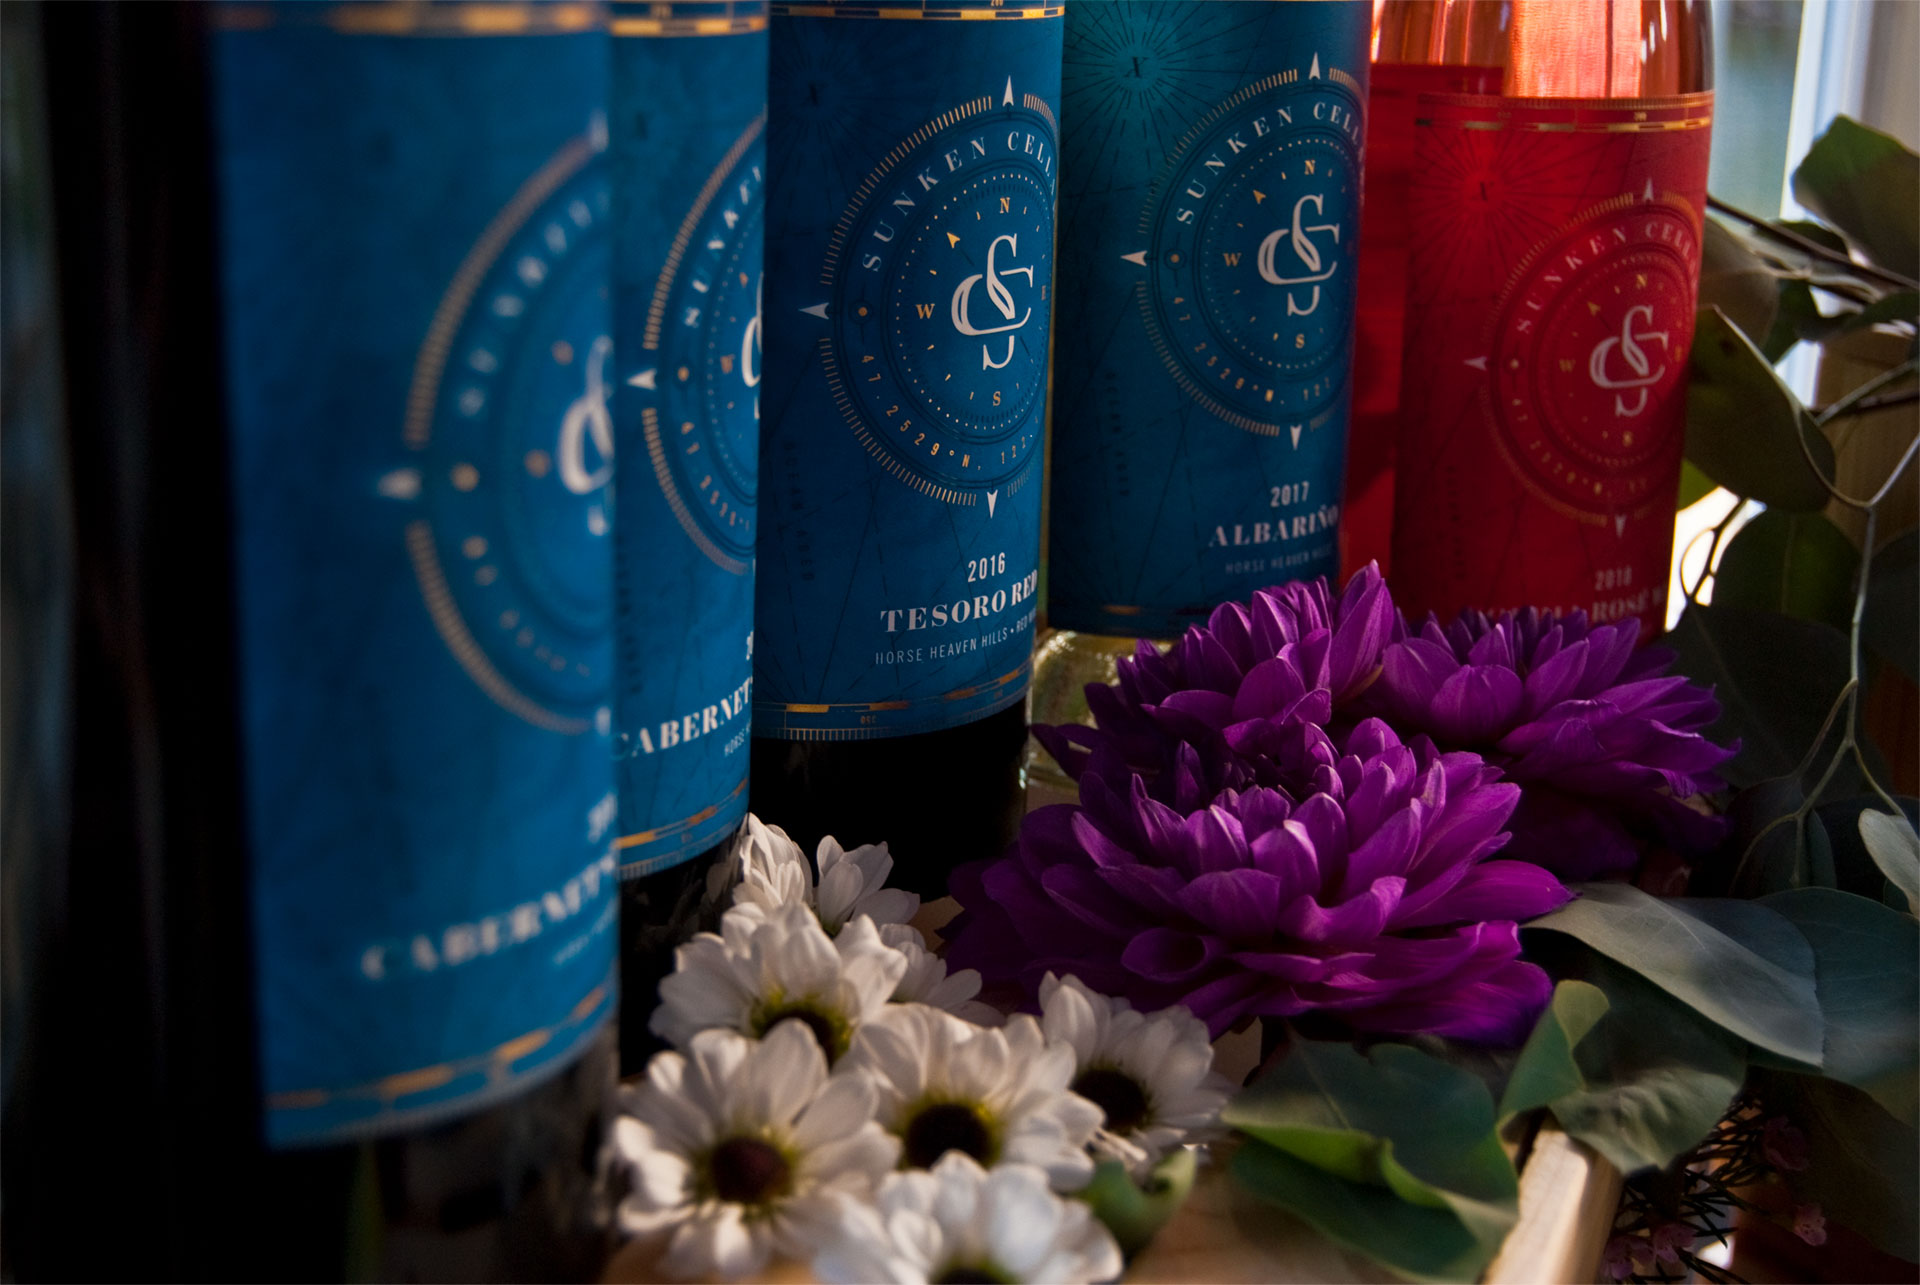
(417, 18)
(678, 827)
(666, 21)
(930, 11)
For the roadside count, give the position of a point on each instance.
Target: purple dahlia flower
(1373, 898)
(1291, 655)
(1605, 744)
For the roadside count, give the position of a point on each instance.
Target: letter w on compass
(1639, 369)
(1300, 240)
(998, 295)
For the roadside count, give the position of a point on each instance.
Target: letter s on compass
(998, 295)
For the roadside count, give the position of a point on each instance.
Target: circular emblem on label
(1251, 275)
(1589, 359)
(511, 441)
(701, 382)
(942, 287)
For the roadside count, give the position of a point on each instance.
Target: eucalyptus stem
(1866, 407)
(1719, 532)
(1788, 236)
(1891, 375)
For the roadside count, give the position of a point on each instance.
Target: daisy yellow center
(829, 1028)
(940, 1127)
(748, 1171)
(1116, 1093)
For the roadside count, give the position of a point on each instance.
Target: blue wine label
(1209, 209)
(415, 228)
(911, 177)
(687, 141)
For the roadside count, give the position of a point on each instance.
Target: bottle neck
(1557, 48)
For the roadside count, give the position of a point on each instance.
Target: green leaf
(1736, 963)
(1769, 854)
(1736, 281)
(1853, 866)
(1893, 604)
(1895, 848)
(1866, 184)
(1648, 1081)
(1798, 564)
(1863, 1165)
(1775, 679)
(1695, 486)
(1864, 959)
(1745, 427)
(1393, 1153)
(1546, 1069)
(1901, 305)
(1135, 1215)
(1797, 317)
(1413, 1240)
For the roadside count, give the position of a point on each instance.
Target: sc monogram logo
(999, 295)
(1640, 373)
(941, 300)
(1588, 356)
(1300, 242)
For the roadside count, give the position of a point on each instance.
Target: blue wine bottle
(911, 180)
(687, 125)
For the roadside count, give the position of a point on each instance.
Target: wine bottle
(911, 170)
(1551, 276)
(336, 956)
(688, 141)
(1210, 207)
(687, 124)
(1393, 90)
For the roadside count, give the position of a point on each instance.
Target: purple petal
(1239, 905)
(1169, 955)
(1499, 1010)
(1493, 890)
(1084, 895)
(1325, 824)
(1271, 687)
(1475, 705)
(1288, 855)
(1349, 923)
(1214, 841)
(1387, 851)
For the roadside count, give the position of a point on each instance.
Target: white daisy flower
(964, 1223)
(741, 1150)
(996, 1095)
(764, 967)
(1151, 1073)
(928, 982)
(774, 872)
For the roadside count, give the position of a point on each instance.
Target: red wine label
(1393, 93)
(1553, 264)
